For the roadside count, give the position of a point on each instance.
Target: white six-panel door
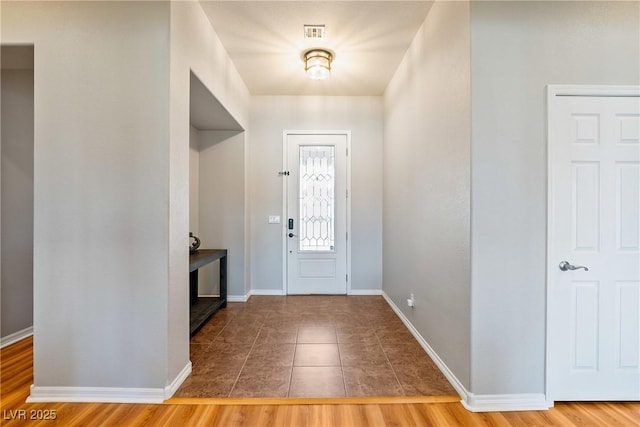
(594, 220)
(316, 206)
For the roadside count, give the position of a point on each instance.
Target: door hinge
(347, 151)
(347, 234)
(347, 193)
(283, 173)
(347, 277)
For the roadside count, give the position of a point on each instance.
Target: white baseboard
(96, 394)
(108, 394)
(365, 292)
(506, 402)
(16, 336)
(177, 381)
(475, 402)
(245, 298)
(237, 298)
(457, 385)
(266, 292)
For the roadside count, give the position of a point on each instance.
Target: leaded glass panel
(317, 198)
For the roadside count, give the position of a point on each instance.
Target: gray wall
(195, 48)
(270, 115)
(517, 49)
(16, 94)
(100, 190)
(222, 207)
(194, 181)
(427, 133)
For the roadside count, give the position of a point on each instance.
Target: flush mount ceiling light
(317, 63)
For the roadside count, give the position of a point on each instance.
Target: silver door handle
(564, 266)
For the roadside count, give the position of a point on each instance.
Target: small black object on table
(203, 307)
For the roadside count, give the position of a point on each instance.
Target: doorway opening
(17, 194)
(216, 204)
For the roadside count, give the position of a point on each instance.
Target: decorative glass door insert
(317, 198)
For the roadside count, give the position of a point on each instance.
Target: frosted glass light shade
(317, 63)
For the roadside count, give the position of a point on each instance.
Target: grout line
(344, 382)
(295, 349)
(404, 392)
(209, 344)
(245, 359)
(269, 314)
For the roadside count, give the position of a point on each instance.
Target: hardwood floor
(16, 375)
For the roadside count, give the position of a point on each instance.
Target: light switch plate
(274, 219)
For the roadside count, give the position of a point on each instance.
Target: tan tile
(271, 354)
(275, 334)
(195, 351)
(317, 335)
(392, 335)
(238, 335)
(316, 355)
(263, 382)
(219, 371)
(317, 382)
(208, 333)
(222, 354)
(358, 354)
(371, 381)
(280, 320)
(357, 334)
(423, 380)
(246, 322)
(362, 326)
(315, 321)
(206, 385)
(406, 354)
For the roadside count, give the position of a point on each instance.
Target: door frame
(553, 92)
(285, 189)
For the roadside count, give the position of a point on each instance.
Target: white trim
(266, 292)
(474, 402)
(16, 336)
(108, 394)
(238, 298)
(365, 292)
(349, 197)
(457, 385)
(553, 91)
(285, 134)
(591, 90)
(96, 394)
(177, 381)
(505, 402)
(285, 192)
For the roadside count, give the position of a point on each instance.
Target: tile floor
(309, 346)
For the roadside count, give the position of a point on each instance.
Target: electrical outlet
(410, 301)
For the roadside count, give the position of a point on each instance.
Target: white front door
(594, 242)
(316, 213)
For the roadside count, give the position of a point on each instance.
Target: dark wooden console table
(203, 307)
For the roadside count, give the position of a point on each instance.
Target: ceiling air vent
(315, 32)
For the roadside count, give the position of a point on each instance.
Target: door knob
(292, 235)
(564, 266)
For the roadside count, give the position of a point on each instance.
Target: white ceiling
(265, 40)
